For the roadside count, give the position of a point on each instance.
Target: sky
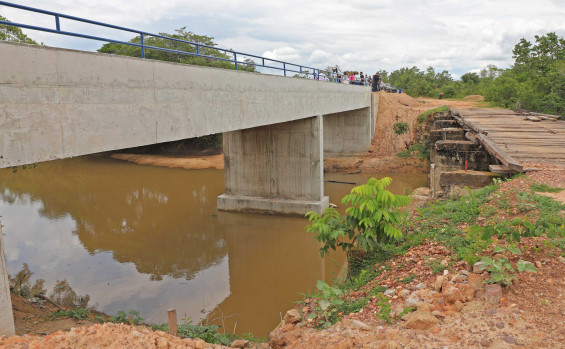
(364, 35)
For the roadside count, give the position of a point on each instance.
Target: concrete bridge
(60, 103)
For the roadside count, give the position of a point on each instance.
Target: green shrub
(371, 219)
(400, 128)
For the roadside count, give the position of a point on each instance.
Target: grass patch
(420, 150)
(424, 116)
(544, 188)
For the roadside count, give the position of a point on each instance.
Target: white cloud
(283, 54)
(358, 34)
(319, 56)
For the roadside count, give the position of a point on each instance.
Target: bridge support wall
(6, 316)
(275, 169)
(348, 133)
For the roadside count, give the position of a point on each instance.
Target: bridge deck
(540, 141)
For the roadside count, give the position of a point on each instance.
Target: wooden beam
(499, 153)
(501, 169)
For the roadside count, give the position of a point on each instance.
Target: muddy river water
(150, 239)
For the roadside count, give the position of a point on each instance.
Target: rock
(355, 324)
(404, 293)
(420, 286)
(472, 307)
(500, 325)
(292, 316)
(452, 294)
(538, 264)
(493, 293)
(392, 345)
(438, 283)
(417, 297)
(467, 291)
(458, 305)
(462, 275)
(475, 281)
(389, 292)
(421, 320)
(485, 342)
(438, 314)
(422, 191)
(240, 343)
(561, 259)
(509, 339)
(479, 267)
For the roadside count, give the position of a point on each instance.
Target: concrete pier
(347, 133)
(6, 316)
(275, 169)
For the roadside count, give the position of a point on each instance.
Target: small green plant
(79, 314)
(400, 128)
(408, 279)
(501, 269)
(384, 312)
(131, 316)
(208, 333)
(326, 313)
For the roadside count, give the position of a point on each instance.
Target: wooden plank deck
(515, 136)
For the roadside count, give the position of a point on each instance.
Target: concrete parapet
(6, 316)
(347, 133)
(275, 169)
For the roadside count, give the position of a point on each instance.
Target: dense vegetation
(10, 33)
(535, 82)
(181, 34)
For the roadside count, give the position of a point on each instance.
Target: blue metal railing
(285, 65)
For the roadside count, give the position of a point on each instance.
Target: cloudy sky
(367, 35)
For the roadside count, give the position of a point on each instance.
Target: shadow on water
(147, 238)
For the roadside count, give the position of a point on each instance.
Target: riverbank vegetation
(536, 80)
(501, 226)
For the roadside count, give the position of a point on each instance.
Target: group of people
(357, 78)
(352, 77)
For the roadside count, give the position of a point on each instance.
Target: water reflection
(147, 238)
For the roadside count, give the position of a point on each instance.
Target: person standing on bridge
(376, 82)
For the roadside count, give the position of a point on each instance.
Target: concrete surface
(276, 168)
(347, 133)
(58, 103)
(6, 316)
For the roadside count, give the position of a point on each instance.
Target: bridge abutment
(275, 169)
(6, 316)
(348, 133)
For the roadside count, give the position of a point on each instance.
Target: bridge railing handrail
(302, 69)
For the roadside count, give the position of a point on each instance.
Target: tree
(371, 219)
(11, 33)
(182, 34)
(470, 78)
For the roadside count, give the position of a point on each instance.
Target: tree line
(536, 80)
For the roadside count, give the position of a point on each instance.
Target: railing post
(57, 23)
(197, 49)
(263, 62)
(235, 59)
(284, 68)
(142, 46)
